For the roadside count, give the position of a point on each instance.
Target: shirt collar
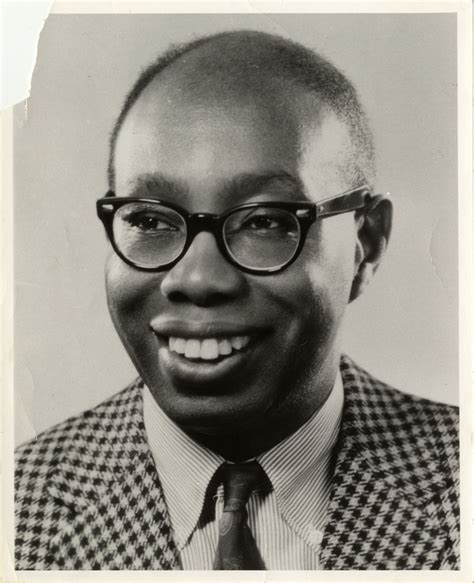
(296, 466)
(184, 467)
(300, 466)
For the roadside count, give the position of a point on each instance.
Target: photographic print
(236, 288)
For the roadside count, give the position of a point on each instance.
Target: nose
(203, 276)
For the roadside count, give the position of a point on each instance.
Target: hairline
(343, 113)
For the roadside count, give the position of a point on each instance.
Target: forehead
(204, 137)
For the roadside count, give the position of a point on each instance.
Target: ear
(374, 228)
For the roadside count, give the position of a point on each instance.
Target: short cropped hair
(281, 58)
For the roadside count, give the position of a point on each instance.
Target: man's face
(208, 155)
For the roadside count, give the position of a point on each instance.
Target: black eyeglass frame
(306, 213)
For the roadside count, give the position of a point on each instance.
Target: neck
(244, 443)
(242, 446)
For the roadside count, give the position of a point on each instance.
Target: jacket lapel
(116, 515)
(384, 511)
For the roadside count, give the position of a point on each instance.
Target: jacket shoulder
(69, 453)
(87, 427)
(395, 497)
(389, 402)
(74, 438)
(411, 424)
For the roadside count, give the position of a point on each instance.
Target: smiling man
(243, 221)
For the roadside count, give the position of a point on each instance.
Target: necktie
(236, 548)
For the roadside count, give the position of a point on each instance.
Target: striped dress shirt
(286, 516)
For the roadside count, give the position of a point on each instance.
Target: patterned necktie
(236, 548)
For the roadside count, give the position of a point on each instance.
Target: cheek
(119, 284)
(128, 292)
(330, 262)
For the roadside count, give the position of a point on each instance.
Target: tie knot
(239, 480)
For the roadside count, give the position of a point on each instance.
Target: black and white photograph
(237, 294)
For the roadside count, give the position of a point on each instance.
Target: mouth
(205, 357)
(207, 349)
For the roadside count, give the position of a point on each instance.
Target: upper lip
(202, 329)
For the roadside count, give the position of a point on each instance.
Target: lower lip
(201, 374)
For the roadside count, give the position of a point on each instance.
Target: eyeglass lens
(261, 237)
(151, 235)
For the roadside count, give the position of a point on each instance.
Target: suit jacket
(88, 494)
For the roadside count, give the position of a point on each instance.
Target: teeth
(237, 342)
(225, 347)
(209, 348)
(179, 345)
(193, 349)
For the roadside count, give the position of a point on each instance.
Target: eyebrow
(153, 183)
(243, 185)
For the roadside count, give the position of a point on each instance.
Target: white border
(464, 12)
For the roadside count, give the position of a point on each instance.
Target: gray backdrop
(404, 329)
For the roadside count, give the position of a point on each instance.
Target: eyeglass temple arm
(362, 198)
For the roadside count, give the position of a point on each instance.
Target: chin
(216, 414)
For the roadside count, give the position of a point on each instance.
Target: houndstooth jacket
(88, 494)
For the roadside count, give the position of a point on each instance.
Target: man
(243, 221)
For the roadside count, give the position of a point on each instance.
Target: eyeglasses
(258, 237)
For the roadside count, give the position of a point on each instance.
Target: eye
(269, 223)
(148, 221)
(262, 221)
(148, 218)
